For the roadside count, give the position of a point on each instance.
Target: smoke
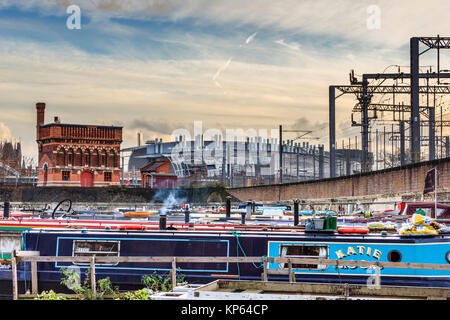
(168, 198)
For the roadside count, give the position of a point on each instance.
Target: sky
(156, 66)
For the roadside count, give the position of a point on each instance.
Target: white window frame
(322, 255)
(74, 247)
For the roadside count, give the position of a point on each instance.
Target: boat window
(427, 212)
(101, 248)
(447, 256)
(304, 251)
(394, 256)
(439, 212)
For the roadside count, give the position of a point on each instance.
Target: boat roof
(274, 235)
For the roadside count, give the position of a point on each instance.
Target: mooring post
(228, 207)
(174, 272)
(296, 202)
(93, 281)
(15, 290)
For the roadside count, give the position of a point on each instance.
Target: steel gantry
(364, 93)
(437, 43)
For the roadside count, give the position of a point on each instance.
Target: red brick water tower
(77, 155)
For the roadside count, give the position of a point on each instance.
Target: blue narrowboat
(365, 247)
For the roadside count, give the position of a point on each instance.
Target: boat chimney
(249, 208)
(6, 209)
(228, 207)
(296, 201)
(162, 221)
(186, 214)
(242, 217)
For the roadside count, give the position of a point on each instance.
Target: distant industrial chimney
(40, 109)
(139, 139)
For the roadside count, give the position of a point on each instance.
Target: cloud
(225, 66)
(162, 80)
(306, 124)
(336, 19)
(250, 38)
(165, 127)
(159, 95)
(5, 133)
(220, 70)
(291, 45)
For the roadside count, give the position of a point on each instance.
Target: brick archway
(87, 178)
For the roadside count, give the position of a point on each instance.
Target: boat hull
(434, 250)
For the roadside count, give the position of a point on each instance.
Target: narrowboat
(380, 247)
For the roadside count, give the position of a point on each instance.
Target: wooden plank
(28, 253)
(34, 278)
(337, 289)
(278, 271)
(140, 259)
(314, 261)
(174, 272)
(252, 291)
(93, 281)
(265, 277)
(291, 274)
(398, 265)
(15, 290)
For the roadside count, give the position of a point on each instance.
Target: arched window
(115, 158)
(70, 157)
(65, 157)
(79, 157)
(103, 158)
(95, 162)
(60, 157)
(87, 158)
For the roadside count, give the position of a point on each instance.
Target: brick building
(77, 155)
(157, 174)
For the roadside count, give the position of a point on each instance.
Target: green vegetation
(105, 289)
(72, 281)
(143, 294)
(157, 282)
(49, 295)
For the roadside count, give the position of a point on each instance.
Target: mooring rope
(238, 246)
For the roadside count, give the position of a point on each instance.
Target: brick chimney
(40, 108)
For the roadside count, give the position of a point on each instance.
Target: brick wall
(391, 182)
(110, 195)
